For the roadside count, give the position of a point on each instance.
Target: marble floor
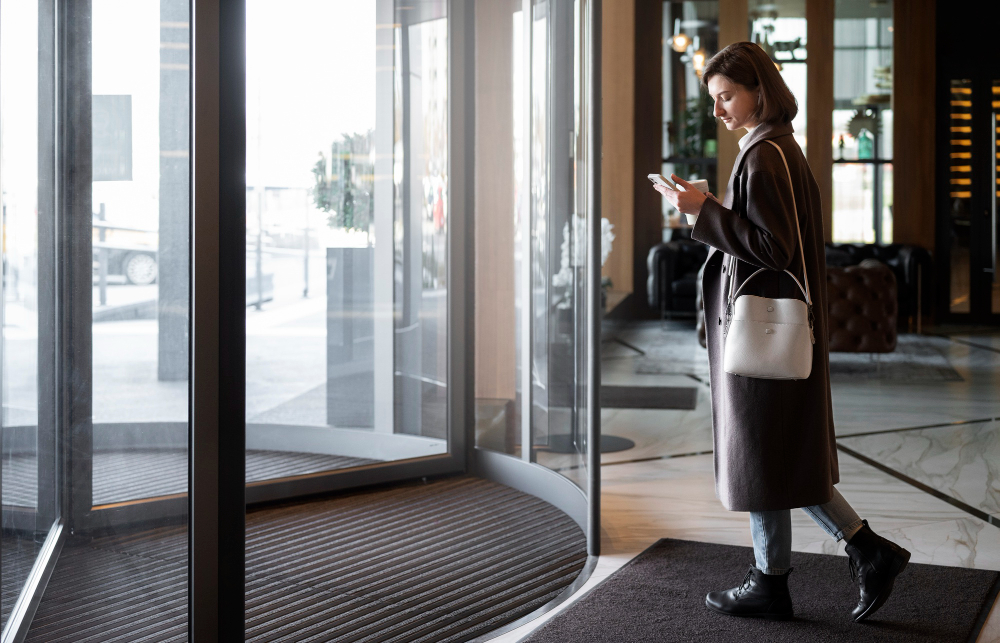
(919, 458)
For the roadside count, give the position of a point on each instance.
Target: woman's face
(734, 103)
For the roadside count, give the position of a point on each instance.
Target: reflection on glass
(499, 172)
(560, 238)
(420, 228)
(109, 344)
(531, 234)
(21, 135)
(541, 192)
(960, 193)
(140, 251)
(347, 229)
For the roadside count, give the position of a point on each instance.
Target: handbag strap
(734, 292)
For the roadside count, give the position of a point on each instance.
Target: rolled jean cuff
(849, 529)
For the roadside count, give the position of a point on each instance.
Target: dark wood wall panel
(819, 99)
(648, 151)
(914, 76)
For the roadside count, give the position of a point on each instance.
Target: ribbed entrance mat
(660, 596)
(683, 398)
(438, 562)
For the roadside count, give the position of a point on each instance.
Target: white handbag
(770, 338)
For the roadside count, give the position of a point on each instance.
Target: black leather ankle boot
(875, 562)
(760, 595)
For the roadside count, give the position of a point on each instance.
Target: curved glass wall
(532, 230)
(381, 166)
(349, 232)
(347, 235)
(19, 168)
(95, 174)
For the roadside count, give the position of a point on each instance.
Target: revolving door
(259, 251)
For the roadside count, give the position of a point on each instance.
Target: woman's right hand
(687, 201)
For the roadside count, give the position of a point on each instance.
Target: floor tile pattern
(658, 489)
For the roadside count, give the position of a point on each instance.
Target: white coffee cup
(702, 186)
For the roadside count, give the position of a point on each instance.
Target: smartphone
(659, 179)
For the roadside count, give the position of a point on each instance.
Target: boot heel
(900, 563)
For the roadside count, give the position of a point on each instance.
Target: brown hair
(746, 64)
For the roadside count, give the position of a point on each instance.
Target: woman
(774, 439)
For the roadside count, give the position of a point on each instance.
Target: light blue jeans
(772, 531)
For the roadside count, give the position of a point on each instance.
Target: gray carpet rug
(660, 596)
(916, 359)
(649, 397)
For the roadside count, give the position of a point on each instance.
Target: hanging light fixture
(680, 41)
(698, 57)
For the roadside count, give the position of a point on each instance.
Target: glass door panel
(95, 176)
(532, 231)
(24, 128)
(140, 253)
(499, 164)
(348, 208)
(560, 233)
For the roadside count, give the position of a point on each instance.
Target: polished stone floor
(919, 458)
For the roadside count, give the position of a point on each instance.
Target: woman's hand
(687, 201)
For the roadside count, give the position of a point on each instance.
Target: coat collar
(760, 133)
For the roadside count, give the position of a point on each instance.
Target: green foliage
(344, 183)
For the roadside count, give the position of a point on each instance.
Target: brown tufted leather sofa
(863, 308)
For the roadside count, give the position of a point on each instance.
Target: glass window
(690, 140)
(780, 30)
(862, 123)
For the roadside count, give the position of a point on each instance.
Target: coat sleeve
(766, 237)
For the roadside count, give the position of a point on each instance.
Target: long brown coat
(774, 439)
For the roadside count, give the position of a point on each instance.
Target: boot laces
(745, 585)
(855, 571)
